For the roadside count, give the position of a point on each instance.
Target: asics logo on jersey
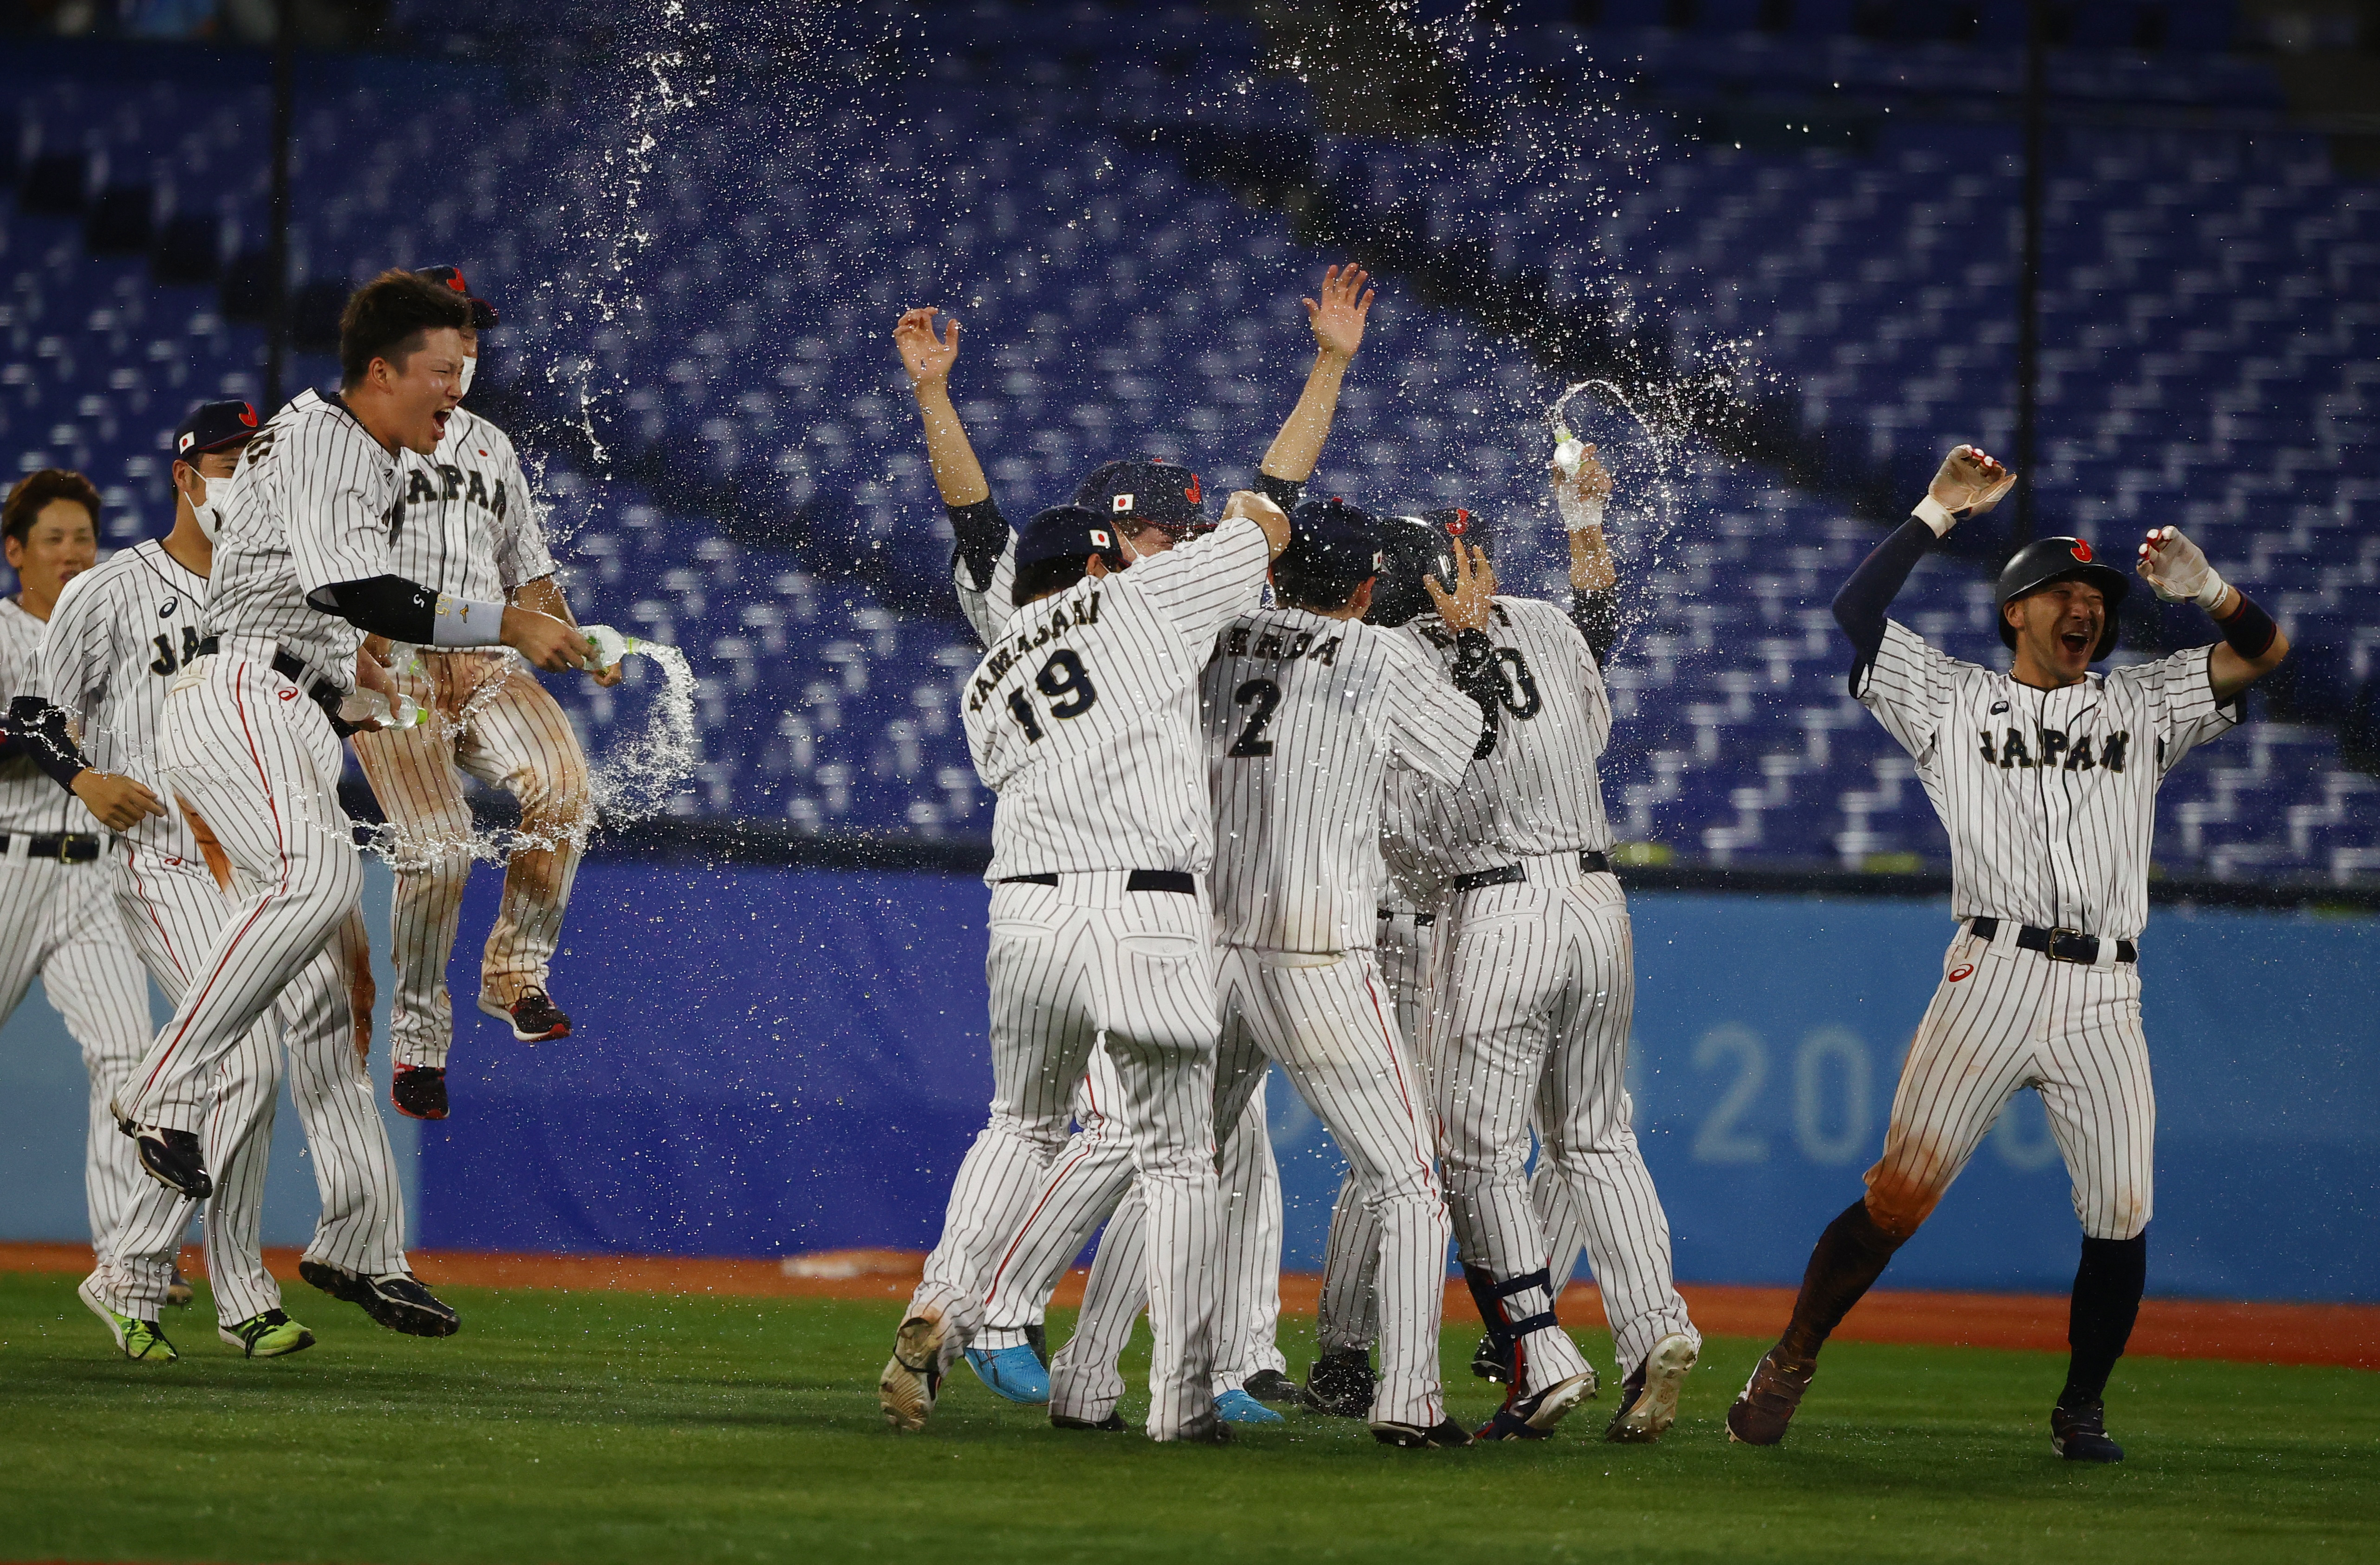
(289, 695)
(1960, 971)
(165, 610)
(2058, 751)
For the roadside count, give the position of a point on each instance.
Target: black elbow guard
(38, 732)
(2249, 630)
(981, 534)
(1283, 492)
(382, 605)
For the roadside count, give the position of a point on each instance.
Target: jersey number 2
(1065, 682)
(1260, 696)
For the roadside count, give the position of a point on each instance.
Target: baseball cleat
(1492, 1360)
(2080, 1434)
(172, 1158)
(1272, 1386)
(1037, 1336)
(1648, 1400)
(268, 1334)
(1444, 1435)
(1534, 1417)
(1342, 1383)
(1208, 1431)
(419, 1091)
(913, 1373)
(396, 1299)
(135, 1338)
(534, 1016)
(1012, 1374)
(178, 1293)
(1238, 1407)
(1775, 1388)
(1111, 1424)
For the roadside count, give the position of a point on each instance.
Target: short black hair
(35, 491)
(386, 319)
(1045, 577)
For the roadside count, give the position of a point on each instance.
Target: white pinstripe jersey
(1305, 718)
(2049, 796)
(116, 640)
(1537, 792)
(466, 524)
(312, 505)
(29, 800)
(1084, 715)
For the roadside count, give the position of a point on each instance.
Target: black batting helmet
(2046, 560)
(1411, 549)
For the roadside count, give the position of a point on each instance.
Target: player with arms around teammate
(249, 740)
(469, 527)
(55, 916)
(118, 637)
(2045, 778)
(1099, 934)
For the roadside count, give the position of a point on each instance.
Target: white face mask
(470, 362)
(210, 509)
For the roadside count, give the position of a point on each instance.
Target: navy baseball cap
(1067, 532)
(483, 314)
(1333, 549)
(213, 426)
(1151, 492)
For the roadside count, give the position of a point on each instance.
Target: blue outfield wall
(773, 1061)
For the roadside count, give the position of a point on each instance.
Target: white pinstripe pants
(174, 912)
(1090, 1182)
(1537, 994)
(488, 718)
(2004, 1019)
(55, 920)
(1074, 968)
(257, 761)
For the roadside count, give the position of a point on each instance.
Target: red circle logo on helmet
(2081, 550)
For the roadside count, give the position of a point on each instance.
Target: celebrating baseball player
(120, 634)
(468, 527)
(57, 918)
(2045, 778)
(249, 739)
(1099, 934)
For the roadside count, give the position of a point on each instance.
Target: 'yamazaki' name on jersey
(2049, 796)
(1084, 715)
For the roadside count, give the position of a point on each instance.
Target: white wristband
(1581, 512)
(463, 622)
(1934, 515)
(2212, 592)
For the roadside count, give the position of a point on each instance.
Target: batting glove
(2177, 570)
(1969, 483)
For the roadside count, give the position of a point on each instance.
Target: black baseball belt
(292, 667)
(1592, 861)
(1176, 881)
(66, 847)
(2059, 945)
(1421, 920)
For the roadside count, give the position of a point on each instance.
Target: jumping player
(249, 740)
(1098, 931)
(468, 527)
(2045, 778)
(55, 916)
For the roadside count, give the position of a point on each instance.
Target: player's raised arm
(1582, 495)
(1337, 320)
(1969, 483)
(2252, 645)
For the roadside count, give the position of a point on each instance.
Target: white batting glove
(1969, 483)
(2177, 570)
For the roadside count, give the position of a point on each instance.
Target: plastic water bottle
(607, 646)
(372, 709)
(1568, 450)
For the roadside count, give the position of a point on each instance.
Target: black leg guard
(1850, 1256)
(2108, 1288)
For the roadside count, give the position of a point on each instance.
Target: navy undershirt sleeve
(1860, 606)
(981, 533)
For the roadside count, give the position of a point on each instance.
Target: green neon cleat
(268, 1334)
(134, 1339)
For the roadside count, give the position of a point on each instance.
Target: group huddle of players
(1298, 786)
(169, 805)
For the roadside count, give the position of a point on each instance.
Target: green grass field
(620, 1426)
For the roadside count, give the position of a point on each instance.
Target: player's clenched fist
(926, 356)
(2177, 570)
(1264, 512)
(1473, 600)
(1969, 483)
(545, 641)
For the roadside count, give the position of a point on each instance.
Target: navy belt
(1179, 881)
(2059, 945)
(66, 847)
(1592, 861)
(1421, 920)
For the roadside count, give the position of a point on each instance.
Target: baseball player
(249, 739)
(2045, 778)
(56, 917)
(468, 527)
(1154, 505)
(1099, 936)
(1533, 995)
(118, 637)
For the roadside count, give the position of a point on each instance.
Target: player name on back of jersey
(1002, 660)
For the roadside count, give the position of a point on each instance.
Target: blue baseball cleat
(1238, 1407)
(1014, 1373)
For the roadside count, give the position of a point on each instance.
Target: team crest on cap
(1191, 495)
(248, 415)
(1100, 539)
(455, 282)
(2081, 550)
(1120, 504)
(1460, 524)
